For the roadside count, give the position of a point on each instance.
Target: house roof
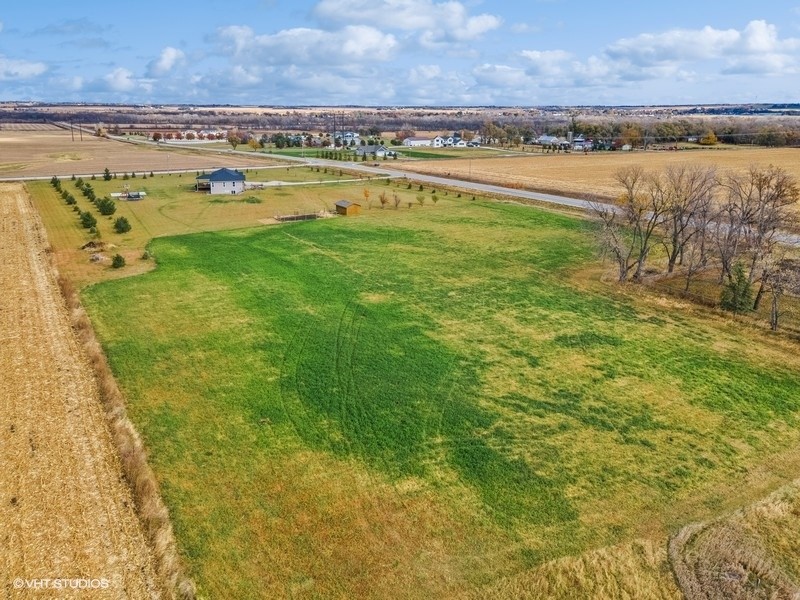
(370, 148)
(222, 175)
(346, 203)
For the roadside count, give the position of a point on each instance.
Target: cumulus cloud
(73, 84)
(303, 46)
(547, 62)
(500, 76)
(120, 80)
(424, 73)
(168, 59)
(755, 43)
(11, 69)
(677, 54)
(762, 64)
(435, 21)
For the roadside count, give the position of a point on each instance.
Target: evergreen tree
(737, 295)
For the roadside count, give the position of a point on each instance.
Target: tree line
(105, 205)
(730, 224)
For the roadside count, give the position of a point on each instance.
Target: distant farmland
(434, 402)
(29, 152)
(585, 175)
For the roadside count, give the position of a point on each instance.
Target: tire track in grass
(348, 334)
(298, 340)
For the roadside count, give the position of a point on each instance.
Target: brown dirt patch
(65, 509)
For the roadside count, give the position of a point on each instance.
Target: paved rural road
(66, 512)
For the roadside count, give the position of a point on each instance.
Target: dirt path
(65, 512)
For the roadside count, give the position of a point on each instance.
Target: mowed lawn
(429, 402)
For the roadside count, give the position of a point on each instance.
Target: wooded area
(733, 224)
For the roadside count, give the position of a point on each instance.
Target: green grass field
(434, 401)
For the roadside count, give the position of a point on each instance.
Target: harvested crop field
(579, 174)
(65, 509)
(53, 152)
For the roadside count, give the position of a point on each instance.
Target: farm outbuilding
(221, 181)
(347, 208)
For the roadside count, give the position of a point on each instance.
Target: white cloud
(120, 80)
(764, 64)
(245, 77)
(500, 76)
(168, 59)
(11, 69)
(356, 43)
(759, 37)
(674, 55)
(435, 21)
(547, 62)
(757, 42)
(677, 44)
(424, 73)
(71, 84)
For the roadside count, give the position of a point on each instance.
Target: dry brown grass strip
(722, 560)
(150, 506)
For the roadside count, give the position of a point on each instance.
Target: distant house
(552, 142)
(417, 141)
(221, 181)
(347, 208)
(348, 138)
(547, 140)
(581, 144)
(371, 150)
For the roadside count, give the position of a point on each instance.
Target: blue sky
(401, 52)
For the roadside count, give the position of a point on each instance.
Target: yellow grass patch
(635, 570)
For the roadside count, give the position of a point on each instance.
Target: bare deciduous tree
(698, 248)
(785, 278)
(689, 190)
(764, 198)
(628, 226)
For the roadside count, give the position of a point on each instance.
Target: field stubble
(592, 175)
(54, 152)
(66, 510)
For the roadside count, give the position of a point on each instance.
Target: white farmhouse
(221, 181)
